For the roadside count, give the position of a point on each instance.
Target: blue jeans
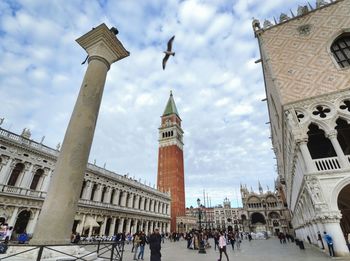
(142, 249)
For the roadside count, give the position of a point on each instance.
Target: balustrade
(327, 164)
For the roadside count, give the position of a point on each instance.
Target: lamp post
(201, 241)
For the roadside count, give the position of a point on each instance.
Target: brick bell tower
(170, 160)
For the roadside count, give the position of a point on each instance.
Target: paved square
(257, 250)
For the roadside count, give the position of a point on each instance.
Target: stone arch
(318, 144)
(17, 170)
(274, 215)
(333, 204)
(344, 207)
(22, 221)
(343, 136)
(257, 217)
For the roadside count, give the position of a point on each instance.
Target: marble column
(32, 223)
(123, 200)
(103, 227)
(61, 202)
(112, 227)
(137, 202)
(142, 206)
(13, 218)
(98, 193)
(310, 166)
(116, 195)
(24, 176)
(46, 181)
(128, 225)
(87, 190)
(131, 200)
(343, 161)
(107, 197)
(121, 224)
(146, 227)
(332, 227)
(5, 170)
(81, 225)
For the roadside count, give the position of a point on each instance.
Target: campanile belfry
(170, 160)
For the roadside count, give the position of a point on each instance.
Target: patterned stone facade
(308, 100)
(109, 203)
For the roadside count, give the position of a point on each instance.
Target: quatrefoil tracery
(321, 111)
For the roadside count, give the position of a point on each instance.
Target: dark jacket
(155, 246)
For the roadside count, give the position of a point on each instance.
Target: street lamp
(201, 241)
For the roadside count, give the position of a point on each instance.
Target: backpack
(3, 248)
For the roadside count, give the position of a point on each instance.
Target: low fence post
(40, 253)
(112, 251)
(98, 247)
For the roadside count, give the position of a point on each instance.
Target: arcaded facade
(305, 59)
(109, 203)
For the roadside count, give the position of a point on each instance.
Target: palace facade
(305, 61)
(109, 203)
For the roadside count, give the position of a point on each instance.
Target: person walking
(222, 246)
(329, 241)
(143, 242)
(136, 244)
(155, 245)
(238, 241)
(319, 238)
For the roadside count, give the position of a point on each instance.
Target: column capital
(102, 42)
(301, 139)
(332, 134)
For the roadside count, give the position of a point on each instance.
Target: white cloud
(216, 85)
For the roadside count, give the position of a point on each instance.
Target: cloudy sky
(216, 84)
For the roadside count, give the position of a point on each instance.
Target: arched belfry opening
(319, 146)
(344, 207)
(343, 128)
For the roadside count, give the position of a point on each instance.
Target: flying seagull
(168, 52)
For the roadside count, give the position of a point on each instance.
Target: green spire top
(170, 107)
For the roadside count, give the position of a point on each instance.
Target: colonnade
(96, 225)
(121, 197)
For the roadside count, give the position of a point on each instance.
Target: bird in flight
(168, 52)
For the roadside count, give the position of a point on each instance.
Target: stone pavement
(257, 250)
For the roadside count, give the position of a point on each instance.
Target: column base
(48, 254)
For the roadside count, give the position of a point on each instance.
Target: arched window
(319, 146)
(36, 178)
(112, 196)
(104, 190)
(341, 50)
(15, 173)
(93, 191)
(343, 129)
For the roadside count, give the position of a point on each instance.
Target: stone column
(121, 224)
(343, 161)
(107, 198)
(87, 191)
(116, 197)
(61, 201)
(112, 227)
(146, 227)
(332, 227)
(24, 176)
(103, 227)
(46, 181)
(5, 170)
(128, 224)
(310, 166)
(131, 200)
(13, 218)
(142, 206)
(123, 200)
(98, 193)
(81, 225)
(137, 202)
(32, 223)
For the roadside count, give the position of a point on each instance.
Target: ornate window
(341, 50)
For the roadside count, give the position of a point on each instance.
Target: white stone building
(306, 65)
(265, 211)
(109, 203)
(226, 217)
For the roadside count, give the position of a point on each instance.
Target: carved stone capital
(332, 134)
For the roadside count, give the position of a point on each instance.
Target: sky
(216, 85)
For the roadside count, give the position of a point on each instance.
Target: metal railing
(112, 251)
